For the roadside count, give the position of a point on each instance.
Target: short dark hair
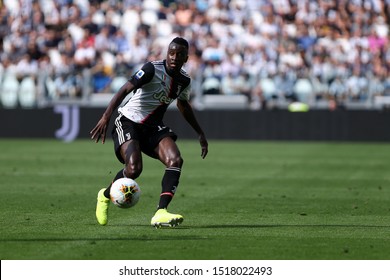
(181, 41)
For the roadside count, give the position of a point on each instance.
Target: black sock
(169, 184)
(118, 176)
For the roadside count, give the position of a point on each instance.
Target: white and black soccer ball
(125, 193)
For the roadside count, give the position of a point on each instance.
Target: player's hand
(100, 130)
(204, 145)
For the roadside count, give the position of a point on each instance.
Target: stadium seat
(268, 88)
(9, 92)
(27, 93)
(303, 89)
(211, 85)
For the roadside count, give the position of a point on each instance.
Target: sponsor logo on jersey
(163, 78)
(162, 98)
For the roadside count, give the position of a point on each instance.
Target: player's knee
(133, 171)
(176, 161)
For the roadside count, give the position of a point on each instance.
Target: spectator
(103, 40)
(228, 86)
(27, 66)
(85, 53)
(101, 76)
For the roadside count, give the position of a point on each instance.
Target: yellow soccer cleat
(102, 208)
(163, 218)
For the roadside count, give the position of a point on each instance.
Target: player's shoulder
(184, 73)
(184, 78)
(153, 66)
(158, 63)
(149, 66)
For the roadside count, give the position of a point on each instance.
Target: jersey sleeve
(143, 76)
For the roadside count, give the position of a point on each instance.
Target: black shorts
(148, 136)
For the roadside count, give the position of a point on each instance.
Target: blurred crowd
(335, 51)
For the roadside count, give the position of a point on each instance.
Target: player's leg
(169, 154)
(127, 151)
(131, 155)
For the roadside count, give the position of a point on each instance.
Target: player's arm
(141, 77)
(99, 131)
(185, 109)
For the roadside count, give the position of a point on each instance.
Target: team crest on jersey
(163, 78)
(139, 74)
(178, 90)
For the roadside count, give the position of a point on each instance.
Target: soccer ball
(125, 193)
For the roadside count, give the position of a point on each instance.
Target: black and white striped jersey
(155, 91)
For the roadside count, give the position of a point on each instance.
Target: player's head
(181, 41)
(177, 54)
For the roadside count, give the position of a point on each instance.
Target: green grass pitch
(246, 200)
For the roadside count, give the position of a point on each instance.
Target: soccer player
(139, 128)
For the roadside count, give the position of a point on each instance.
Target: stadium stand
(336, 51)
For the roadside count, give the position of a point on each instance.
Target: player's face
(177, 55)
